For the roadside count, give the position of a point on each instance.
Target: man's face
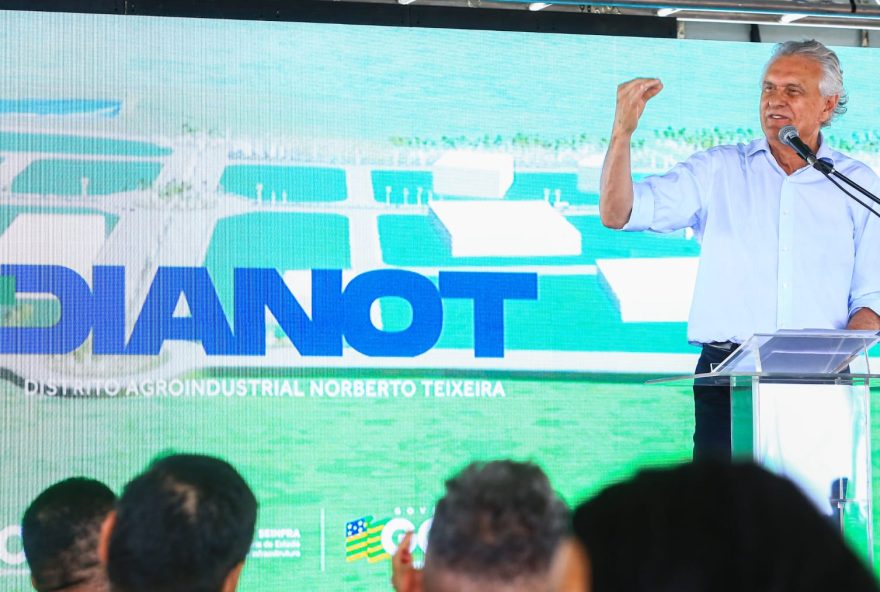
(790, 96)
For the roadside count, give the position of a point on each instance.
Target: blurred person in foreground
(711, 526)
(60, 532)
(499, 527)
(184, 525)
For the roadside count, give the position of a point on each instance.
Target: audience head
(498, 527)
(60, 531)
(184, 525)
(712, 526)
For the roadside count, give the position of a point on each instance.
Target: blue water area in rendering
(421, 241)
(572, 313)
(546, 185)
(389, 186)
(64, 177)
(67, 144)
(291, 184)
(60, 107)
(282, 241)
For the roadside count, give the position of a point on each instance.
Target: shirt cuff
(642, 215)
(871, 301)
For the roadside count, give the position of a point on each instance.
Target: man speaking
(781, 247)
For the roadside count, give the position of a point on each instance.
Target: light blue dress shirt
(777, 251)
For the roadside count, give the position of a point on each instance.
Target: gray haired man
(781, 247)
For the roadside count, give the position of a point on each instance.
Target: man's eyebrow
(786, 85)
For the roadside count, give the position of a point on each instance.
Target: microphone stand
(826, 168)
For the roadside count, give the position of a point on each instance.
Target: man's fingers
(639, 88)
(642, 80)
(402, 572)
(631, 99)
(652, 90)
(639, 84)
(406, 541)
(403, 556)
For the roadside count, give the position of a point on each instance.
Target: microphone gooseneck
(788, 135)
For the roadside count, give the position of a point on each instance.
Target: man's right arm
(615, 185)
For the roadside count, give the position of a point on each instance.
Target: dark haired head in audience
(713, 526)
(184, 525)
(60, 531)
(498, 527)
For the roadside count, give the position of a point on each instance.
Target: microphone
(789, 136)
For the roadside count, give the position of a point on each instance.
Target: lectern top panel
(746, 379)
(798, 352)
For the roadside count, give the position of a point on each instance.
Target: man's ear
(829, 107)
(104, 539)
(231, 581)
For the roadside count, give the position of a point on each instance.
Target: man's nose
(775, 99)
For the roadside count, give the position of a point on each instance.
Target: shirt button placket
(785, 269)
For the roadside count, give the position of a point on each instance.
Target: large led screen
(347, 259)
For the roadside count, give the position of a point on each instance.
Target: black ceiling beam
(95, 7)
(368, 13)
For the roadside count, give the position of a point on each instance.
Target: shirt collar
(756, 146)
(761, 145)
(824, 151)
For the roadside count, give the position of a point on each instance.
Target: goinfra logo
(337, 314)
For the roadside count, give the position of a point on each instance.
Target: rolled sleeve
(865, 287)
(676, 200)
(642, 216)
(872, 304)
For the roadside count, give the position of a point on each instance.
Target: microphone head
(787, 133)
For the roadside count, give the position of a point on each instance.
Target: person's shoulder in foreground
(60, 531)
(184, 525)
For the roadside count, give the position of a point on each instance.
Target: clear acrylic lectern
(800, 406)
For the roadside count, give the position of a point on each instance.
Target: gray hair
(499, 522)
(832, 79)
